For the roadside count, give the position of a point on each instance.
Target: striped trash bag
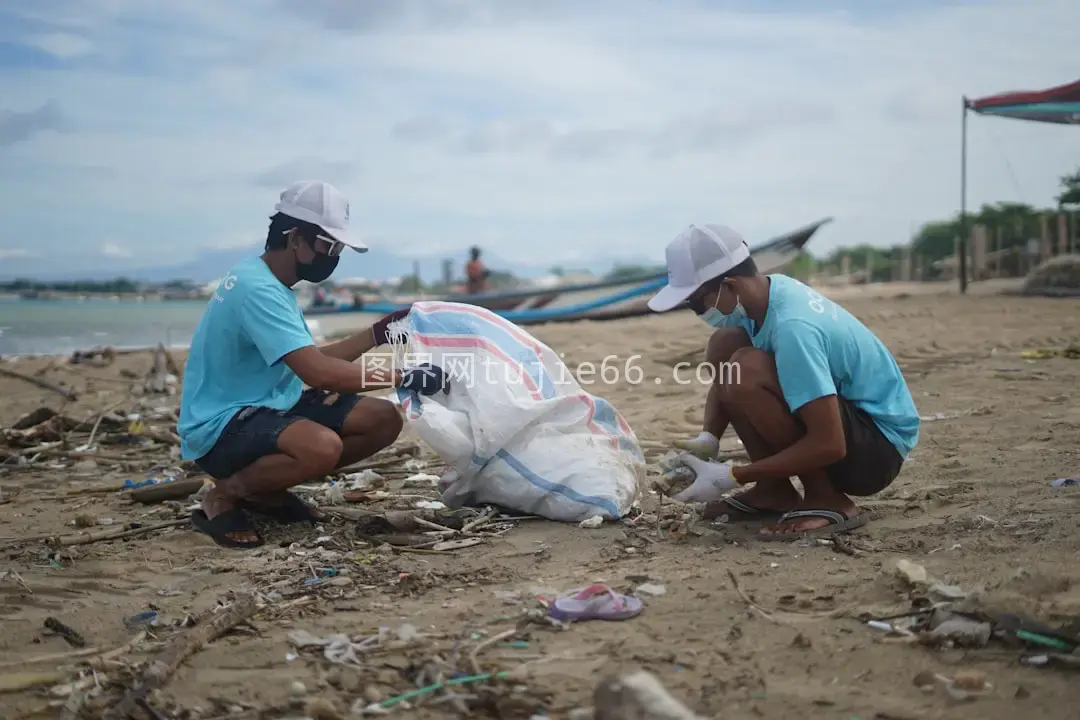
(516, 429)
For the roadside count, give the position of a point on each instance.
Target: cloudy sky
(141, 132)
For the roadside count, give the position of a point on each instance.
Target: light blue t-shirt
(250, 323)
(821, 349)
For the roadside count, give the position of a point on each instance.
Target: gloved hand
(704, 446)
(378, 330)
(711, 481)
(425, 379)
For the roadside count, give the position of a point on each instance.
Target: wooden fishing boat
(604, 300)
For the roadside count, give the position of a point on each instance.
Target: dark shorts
(871, 463)
(253, 432)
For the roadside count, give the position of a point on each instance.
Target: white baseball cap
(697, 255)
(321, 204)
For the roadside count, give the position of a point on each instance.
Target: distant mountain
(376, 264)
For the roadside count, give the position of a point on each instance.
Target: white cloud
(62, 45)
(112, 250)
(541, 130)
(13, 253)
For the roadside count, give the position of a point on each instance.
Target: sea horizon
(61, 327)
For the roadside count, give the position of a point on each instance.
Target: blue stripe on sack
(557, 488)
(606, 417)
(454, 322)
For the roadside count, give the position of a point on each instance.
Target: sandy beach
(973, 506)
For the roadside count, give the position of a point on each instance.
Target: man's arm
(350, 348)
(326, 372)
(356, 345)
(802, 366)
(276, 327)
(821, 446)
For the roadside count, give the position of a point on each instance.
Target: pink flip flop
(598, 602)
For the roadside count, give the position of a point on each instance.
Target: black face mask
(320, 268)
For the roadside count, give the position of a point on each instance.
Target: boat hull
(607, 300)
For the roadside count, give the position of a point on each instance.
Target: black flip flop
(839, 523)
(230, 521)
(291, 510)
(738, 511)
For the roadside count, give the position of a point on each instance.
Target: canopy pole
(962, 260)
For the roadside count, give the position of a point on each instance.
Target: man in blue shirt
(245, 418)
(809, 390)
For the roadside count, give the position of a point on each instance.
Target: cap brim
(670, 297)
(344, 237)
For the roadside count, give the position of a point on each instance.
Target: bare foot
(214, 503)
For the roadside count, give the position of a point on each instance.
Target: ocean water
(35, 327)
(47, 327)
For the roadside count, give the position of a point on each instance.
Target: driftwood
(34, 418)
(208, 628)
(175, 490)
(43, 384)
(637, 696)
(85, 538)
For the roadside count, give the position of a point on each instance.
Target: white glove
(704, 446)
(711, 481)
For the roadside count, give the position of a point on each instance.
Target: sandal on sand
(230, 521)
(738, 511)
(839, 522)
(598, 602)
(291, 510)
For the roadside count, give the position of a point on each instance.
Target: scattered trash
(591, 523)
(1065, 482)
(70, 635)
(651, 589)
(142, 619)
(1072, 352)
(597, 602)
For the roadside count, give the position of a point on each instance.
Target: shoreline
(331, 327)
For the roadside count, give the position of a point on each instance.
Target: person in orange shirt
(476, 274)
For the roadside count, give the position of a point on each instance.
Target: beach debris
(914, 573)
(96, 357)
(639, 695)
(1065, 482)
(676, 476)
(33, 419)
(164, 373)
(591, 523)
(957, 631)
(650, 589)
(126, 530)
(171, 490)
(43, 384)
(1071, 352)
(140, 619)
(596, 602)
(72, 637)
(207, 628)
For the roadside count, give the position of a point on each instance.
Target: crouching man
(245, 417)
(809, 390)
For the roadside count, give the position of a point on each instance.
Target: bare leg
(722, 345)
(759, 413)
(307, 451)
(371, 426)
